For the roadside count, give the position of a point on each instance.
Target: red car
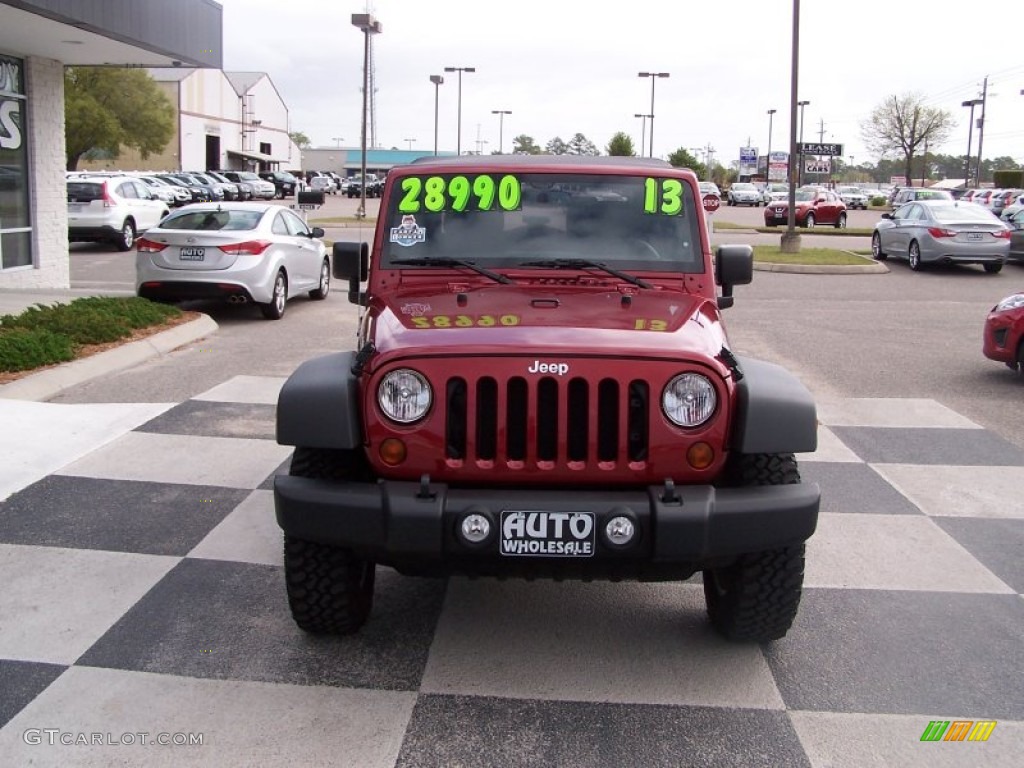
(813, 206)
(1004, 332)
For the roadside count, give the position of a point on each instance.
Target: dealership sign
(11, 97)
(748, 161)
(815, 148)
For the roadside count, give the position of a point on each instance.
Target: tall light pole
(768, 159)
(501, 127)
(337, 141)
(643, 131)
(437, 80)
(369, 25)
(790, 241)
(460, 70)
(972, 103)
(410, 141)
(653, 76)
(801, 104)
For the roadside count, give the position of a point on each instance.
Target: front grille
(546, 421)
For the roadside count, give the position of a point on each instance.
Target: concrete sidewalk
(49, 382)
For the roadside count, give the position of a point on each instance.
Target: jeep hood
(614, 321)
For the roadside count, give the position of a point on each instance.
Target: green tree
(683, 159)
(902, 124)
(525, 145)
(581, 145)
(621, 145)
(301, 140)
(557, 147)
(108, 108)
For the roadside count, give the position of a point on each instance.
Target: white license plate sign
(192, 254)
(975, 235)
(533, 533)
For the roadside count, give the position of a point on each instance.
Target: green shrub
(22, 349)
(45, 334)
(879, 200)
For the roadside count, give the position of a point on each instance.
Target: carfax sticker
(408, 232)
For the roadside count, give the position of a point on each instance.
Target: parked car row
(996, 200)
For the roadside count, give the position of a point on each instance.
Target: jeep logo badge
(558, 368)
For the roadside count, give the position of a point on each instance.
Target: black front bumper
(413, 526)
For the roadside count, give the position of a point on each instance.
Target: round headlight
(1011, 302)
(404, 396)
(689, 400)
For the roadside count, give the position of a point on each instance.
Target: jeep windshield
(502, 219)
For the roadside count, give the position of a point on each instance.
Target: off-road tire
(755, 599)
(330, 588)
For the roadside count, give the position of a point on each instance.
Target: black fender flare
(318, 406)
(775, 412)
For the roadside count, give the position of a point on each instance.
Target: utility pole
(709, 153)
(981, 126)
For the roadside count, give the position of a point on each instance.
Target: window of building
(15, 216)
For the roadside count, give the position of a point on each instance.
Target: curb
(822, 269)
(43, 385)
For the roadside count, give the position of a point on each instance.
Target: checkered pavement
(142, 593)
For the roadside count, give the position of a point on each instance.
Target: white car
(774, 193)
(709, 188)
(111, 209)
(854, 197)
(742, 193)
(323, 184)
(240, 252)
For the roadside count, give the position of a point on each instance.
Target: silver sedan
(942, 232)
(240, 252)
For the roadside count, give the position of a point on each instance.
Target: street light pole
(337, 141)
(369, 25)
(768, 159)
(460, 70)
(501, 127)
(972, 103)
(643, 132)
(653, 76)
(410, 142)
(790, 242)
(801, 104)
(436, 80)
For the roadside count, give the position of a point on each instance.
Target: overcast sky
(570, 66)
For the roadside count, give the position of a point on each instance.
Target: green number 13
(666, 198)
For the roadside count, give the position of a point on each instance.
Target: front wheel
(841, 221)
(330, 589)
(876, 248)
(914, 256)
(993, 269)
(274, 309)
(756, 597)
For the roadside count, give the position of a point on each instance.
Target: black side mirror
(886, 215)
(316, 232)
(734, 265)
(351, 262)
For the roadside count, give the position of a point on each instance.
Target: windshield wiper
(583, 264)
(439, 261)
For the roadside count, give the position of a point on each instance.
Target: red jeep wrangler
(543, 387)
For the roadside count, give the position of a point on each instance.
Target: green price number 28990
(437, 193)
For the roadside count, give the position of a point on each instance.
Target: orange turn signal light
(392, 451)
(700, 455)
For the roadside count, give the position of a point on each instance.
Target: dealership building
(38, 38)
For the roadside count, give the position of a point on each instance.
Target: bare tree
(902, 124)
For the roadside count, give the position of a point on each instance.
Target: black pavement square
(997, 544)
(230, 620)
(906, 652)
(214, 419)
(848, 487)
(506, 733)
(22, 681)
(117, 515)
(955, 447)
